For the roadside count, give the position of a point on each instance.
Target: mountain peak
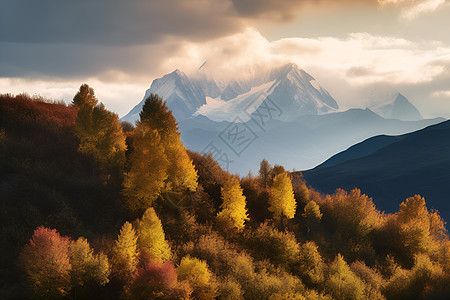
(177, 73)
(404, 110)
(288, 87)
(284, 70)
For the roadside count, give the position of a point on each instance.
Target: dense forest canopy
(93, 208)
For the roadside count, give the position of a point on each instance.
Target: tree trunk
(307, 231)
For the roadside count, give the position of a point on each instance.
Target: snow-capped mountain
(290, 89)
(183, 95)
(281, 114)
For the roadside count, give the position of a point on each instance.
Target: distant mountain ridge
(289, 118)
(301, 144)
(293, 90)
(391, 168)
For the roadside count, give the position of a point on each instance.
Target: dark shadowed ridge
(392, 168)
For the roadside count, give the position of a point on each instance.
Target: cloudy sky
(51, 47)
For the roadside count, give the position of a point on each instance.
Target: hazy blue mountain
(389, 103)
(301, 144)
(281, 114)
(392, 168)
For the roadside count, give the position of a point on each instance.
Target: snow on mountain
(183, 95)
(287, 88)
(241, 106)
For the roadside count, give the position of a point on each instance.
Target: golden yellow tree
(281, 198)
(416, 228)
(151, 238)
(181, 172)
(145, 180)
(342, 283)
(124, 257)
(197, 273)
(233, 208)
(87, 268)
(310, 264)
(99, 131)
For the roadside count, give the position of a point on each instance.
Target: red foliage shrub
(46, 263)
(157, 280)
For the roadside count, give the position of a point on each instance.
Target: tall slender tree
(87, 268)
(125, 253)
(265, 170)
(181, 172)
(99, 131)
(146, 178)
(151, 238)
(281, 198)
(233, 208)
(312, 215)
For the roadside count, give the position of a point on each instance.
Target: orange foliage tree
(46, 262)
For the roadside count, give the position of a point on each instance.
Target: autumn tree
(277, 169)
(413, 230)
(352, 218)
(301, 191)
(310, 264)
(146, 178)
(181, 174)
(157, 280)
(373, 280)
(233, 208)
(46, 263)
(342, 283)
(281, 198)
(87, 268)
(265, 170)
(280, 247)
(99, 131)
(124, 253)
(151, 238)
(197, 273)
(312, 214)
(85, 97)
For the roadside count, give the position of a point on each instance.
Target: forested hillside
(92, 208)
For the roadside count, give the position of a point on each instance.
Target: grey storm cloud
(74, 38)
(285, 10)
(120, 22)
(113, 22)
(70, 38)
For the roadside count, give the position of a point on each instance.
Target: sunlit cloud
(441, 94)
(411, 9)
(360, 58)
(422, 7)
